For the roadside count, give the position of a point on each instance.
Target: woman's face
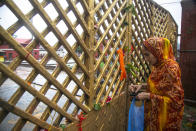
(149, 57)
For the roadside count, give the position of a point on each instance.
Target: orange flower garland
(122, 65)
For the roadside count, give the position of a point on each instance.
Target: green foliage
(130, 68)
(62, 126)
(97, 106)
(79, 49)
(127, 49)
(102, 65)
(129, 8)
(84, 113)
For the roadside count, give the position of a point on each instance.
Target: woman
(164, 104)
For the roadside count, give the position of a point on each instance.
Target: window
(10, 56)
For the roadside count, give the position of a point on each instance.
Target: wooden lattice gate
(77, 66)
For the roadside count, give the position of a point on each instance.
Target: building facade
(7, 53)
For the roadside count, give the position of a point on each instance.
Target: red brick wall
(188, 48)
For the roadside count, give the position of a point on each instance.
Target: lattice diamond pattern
(56, 79)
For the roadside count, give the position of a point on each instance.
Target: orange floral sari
(164, 110)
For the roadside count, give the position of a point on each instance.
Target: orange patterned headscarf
(164, 111)
(160, 48)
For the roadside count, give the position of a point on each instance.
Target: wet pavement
(9, 87)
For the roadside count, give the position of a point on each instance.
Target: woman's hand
(134, 88)
(143, 96)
